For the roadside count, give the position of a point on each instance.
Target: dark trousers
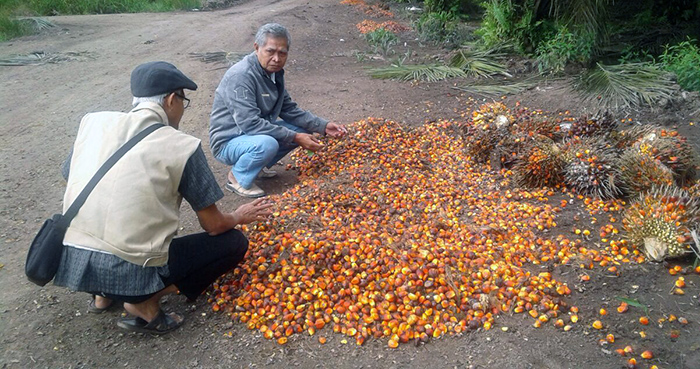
(195, 261)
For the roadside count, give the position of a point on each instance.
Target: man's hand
(308, 141)
(252, 211)
(335, 130)
(214, 222)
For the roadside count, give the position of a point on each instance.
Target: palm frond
(425, 72)
(480, 64)
(626, 85)
(36, 23)
(500, 89)
(589, 14)
(41, 57)
(230, 58)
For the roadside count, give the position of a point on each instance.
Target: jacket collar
(154, 108)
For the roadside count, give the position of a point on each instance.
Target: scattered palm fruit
(647, 355)
(660, 222)
(597, 324)
(680, 282)
(623, 307)
(392, 233)
(644, 320)
(367, 26)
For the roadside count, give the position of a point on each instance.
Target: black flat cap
(157, 78)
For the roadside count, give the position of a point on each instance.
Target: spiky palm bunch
(599, 124)
(694, 189)
(592, 167)
(625, 138)
(662, 222)
(664, 145)
(489, 128)
(640, 172)
(534, 123)
(540, 164)
(674, 151)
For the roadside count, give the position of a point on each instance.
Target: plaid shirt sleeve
(198, 185)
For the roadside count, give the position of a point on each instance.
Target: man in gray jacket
(254, 122)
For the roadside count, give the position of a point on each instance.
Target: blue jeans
(247, 155)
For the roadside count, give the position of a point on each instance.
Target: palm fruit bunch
(592, 167)
(540, 164)
(628, 137)
(694, 189)
(489, 128)
(664, 145)
(662, 222)
(675, 152)
(535, 123)
(640, 172)
(599, 125)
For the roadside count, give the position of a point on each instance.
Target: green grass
(683, 59)
(10, 27)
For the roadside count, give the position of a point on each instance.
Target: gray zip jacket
(248, 102)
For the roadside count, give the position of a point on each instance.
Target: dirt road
(41, 107)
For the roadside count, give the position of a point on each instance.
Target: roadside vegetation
(19, 17)
(625, 54)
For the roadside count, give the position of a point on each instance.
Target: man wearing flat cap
(121, 246)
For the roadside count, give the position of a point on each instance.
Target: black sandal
(93, 309)
(161, 324)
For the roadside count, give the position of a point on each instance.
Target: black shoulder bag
(45, 251)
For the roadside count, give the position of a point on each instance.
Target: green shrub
(9, 9)
(52, 7)
(437, 6)
(10, 28)
(381, 40)
(683, 59)
(563, 48)
(442, 27)
(55, 7)
(504, 22)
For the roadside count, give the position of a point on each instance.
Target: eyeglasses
(186, 100)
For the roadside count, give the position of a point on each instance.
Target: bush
(506, 23)
(55, 7)
(563, 48)
(683, 59)
(442, 27)
(10, 28)
(381, 40)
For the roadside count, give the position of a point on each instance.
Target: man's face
(174, 107)
(273, 54)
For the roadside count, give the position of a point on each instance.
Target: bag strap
(80, 200)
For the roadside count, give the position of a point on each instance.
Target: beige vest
(134, 210)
